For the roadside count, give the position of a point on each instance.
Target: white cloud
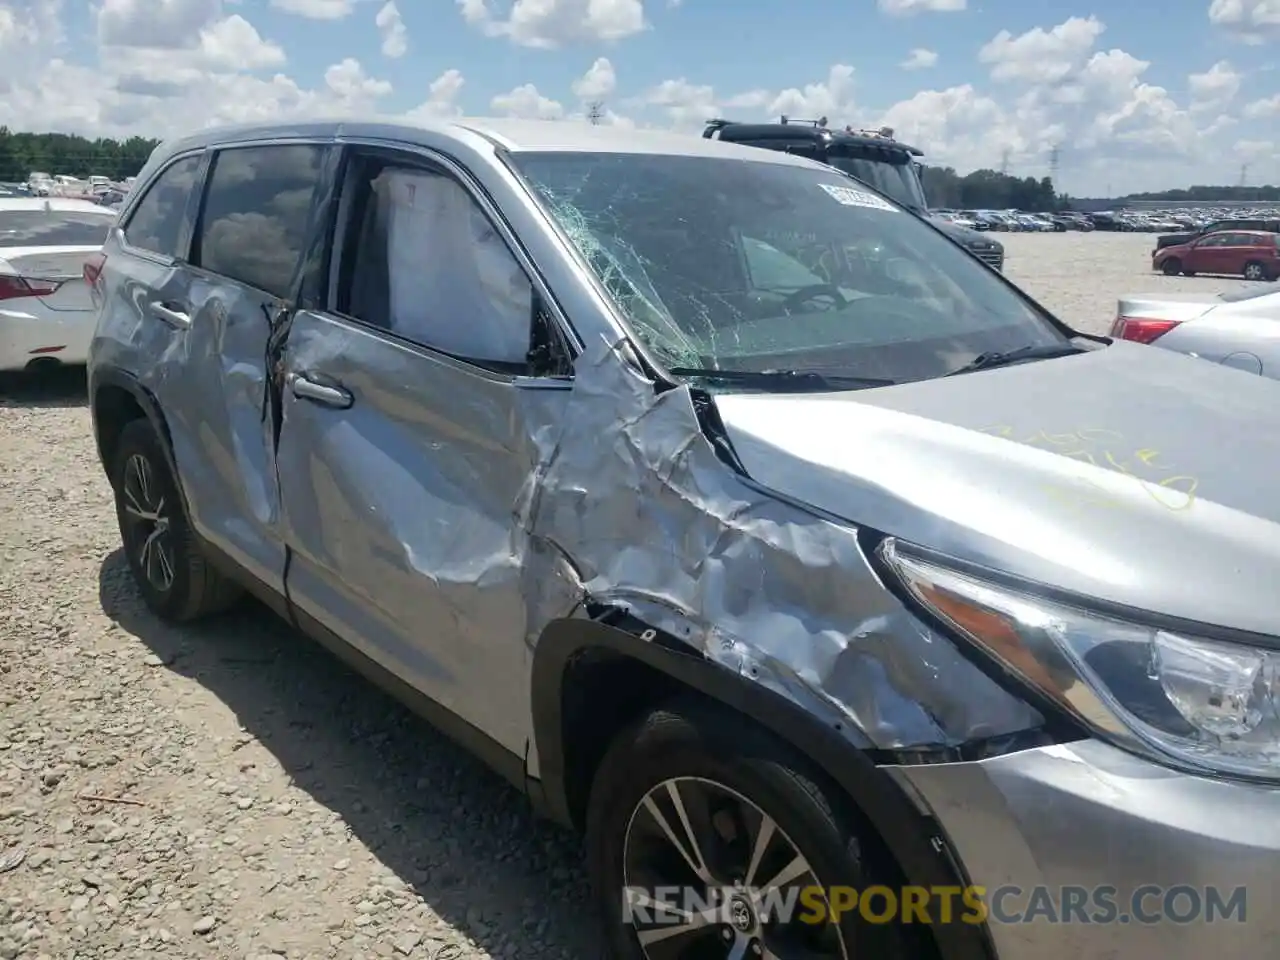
(160, 67)
(1215, 88)
(1252, 21)
(317, 9)
(159, 24)
(920, 59)
(597, 83)
(1039, 55)
(442, 98)
(395, 35)
(526, 102)
(551, 24)
(909, 8)
(1263, 109)
(350, 84)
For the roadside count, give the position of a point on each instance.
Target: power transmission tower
(1244, 174)
(595, 113)
(1055, 157)
(1004, 162)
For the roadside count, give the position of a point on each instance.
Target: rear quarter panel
(1220, 335)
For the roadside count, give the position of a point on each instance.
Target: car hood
(1133, 475)
(970, 238)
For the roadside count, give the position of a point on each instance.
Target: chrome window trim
(476, 191)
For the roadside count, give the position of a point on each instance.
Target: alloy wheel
(1253, 272)
(148, 532)
(710, 876)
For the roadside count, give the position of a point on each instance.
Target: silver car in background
(1238, 328)
(735, 515)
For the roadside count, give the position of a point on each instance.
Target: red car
(1252, 254)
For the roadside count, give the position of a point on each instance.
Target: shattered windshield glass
(765, 266)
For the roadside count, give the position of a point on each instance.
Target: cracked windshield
(727, 269)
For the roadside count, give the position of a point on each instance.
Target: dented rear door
(255, 221)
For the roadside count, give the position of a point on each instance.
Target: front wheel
(1253, 270)
(1171, 267)
(703, 843)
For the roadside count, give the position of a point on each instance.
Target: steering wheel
(812, 292)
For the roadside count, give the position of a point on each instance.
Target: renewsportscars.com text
(1149, 904)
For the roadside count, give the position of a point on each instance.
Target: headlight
(1204, 704)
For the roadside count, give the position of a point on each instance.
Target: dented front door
(401, 476)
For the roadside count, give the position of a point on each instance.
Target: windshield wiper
(783, 379)
(1001, 358)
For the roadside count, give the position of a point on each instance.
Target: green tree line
(989, 190)
(23, 153)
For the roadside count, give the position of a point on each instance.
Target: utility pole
(1004, 162)
(595, 113)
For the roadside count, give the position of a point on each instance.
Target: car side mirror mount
(547, 356)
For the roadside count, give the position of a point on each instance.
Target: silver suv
(846, 600)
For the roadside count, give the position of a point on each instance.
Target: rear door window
(54, 228)
(155, 224)
(256, 214)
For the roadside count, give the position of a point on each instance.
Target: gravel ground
(1079, 276)
(229, 790)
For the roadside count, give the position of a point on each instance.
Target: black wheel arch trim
(915, 840)
(111, 376)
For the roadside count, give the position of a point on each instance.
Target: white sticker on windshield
(852, 197)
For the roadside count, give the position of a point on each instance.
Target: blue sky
(1134, 96)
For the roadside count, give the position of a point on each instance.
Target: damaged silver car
(846, 600)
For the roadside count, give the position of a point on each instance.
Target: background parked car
(1269, 224)
(1239, 328)
(46, 311)
(1252, 254)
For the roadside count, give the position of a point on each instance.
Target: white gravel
(1079, 276)
(231, 791)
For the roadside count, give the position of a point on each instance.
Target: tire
(1254, 270)
(193, 588)
(738, 766)
(1171, 267)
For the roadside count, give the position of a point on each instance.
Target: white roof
(71, 204)
(575, 136)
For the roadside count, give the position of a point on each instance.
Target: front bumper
(1056, 821)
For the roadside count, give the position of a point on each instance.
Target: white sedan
(46, 312)
(1237, 328)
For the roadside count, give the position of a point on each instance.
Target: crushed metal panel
(633, 495)
(398, 509)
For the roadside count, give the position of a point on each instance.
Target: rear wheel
(175, 579)
(1171, 267)
(1253, 270)
(745, 847)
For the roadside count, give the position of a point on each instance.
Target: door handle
(322, 393)
(175, 318)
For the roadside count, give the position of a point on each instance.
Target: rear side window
(54, 228)
(254, 224)
(156, 222)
